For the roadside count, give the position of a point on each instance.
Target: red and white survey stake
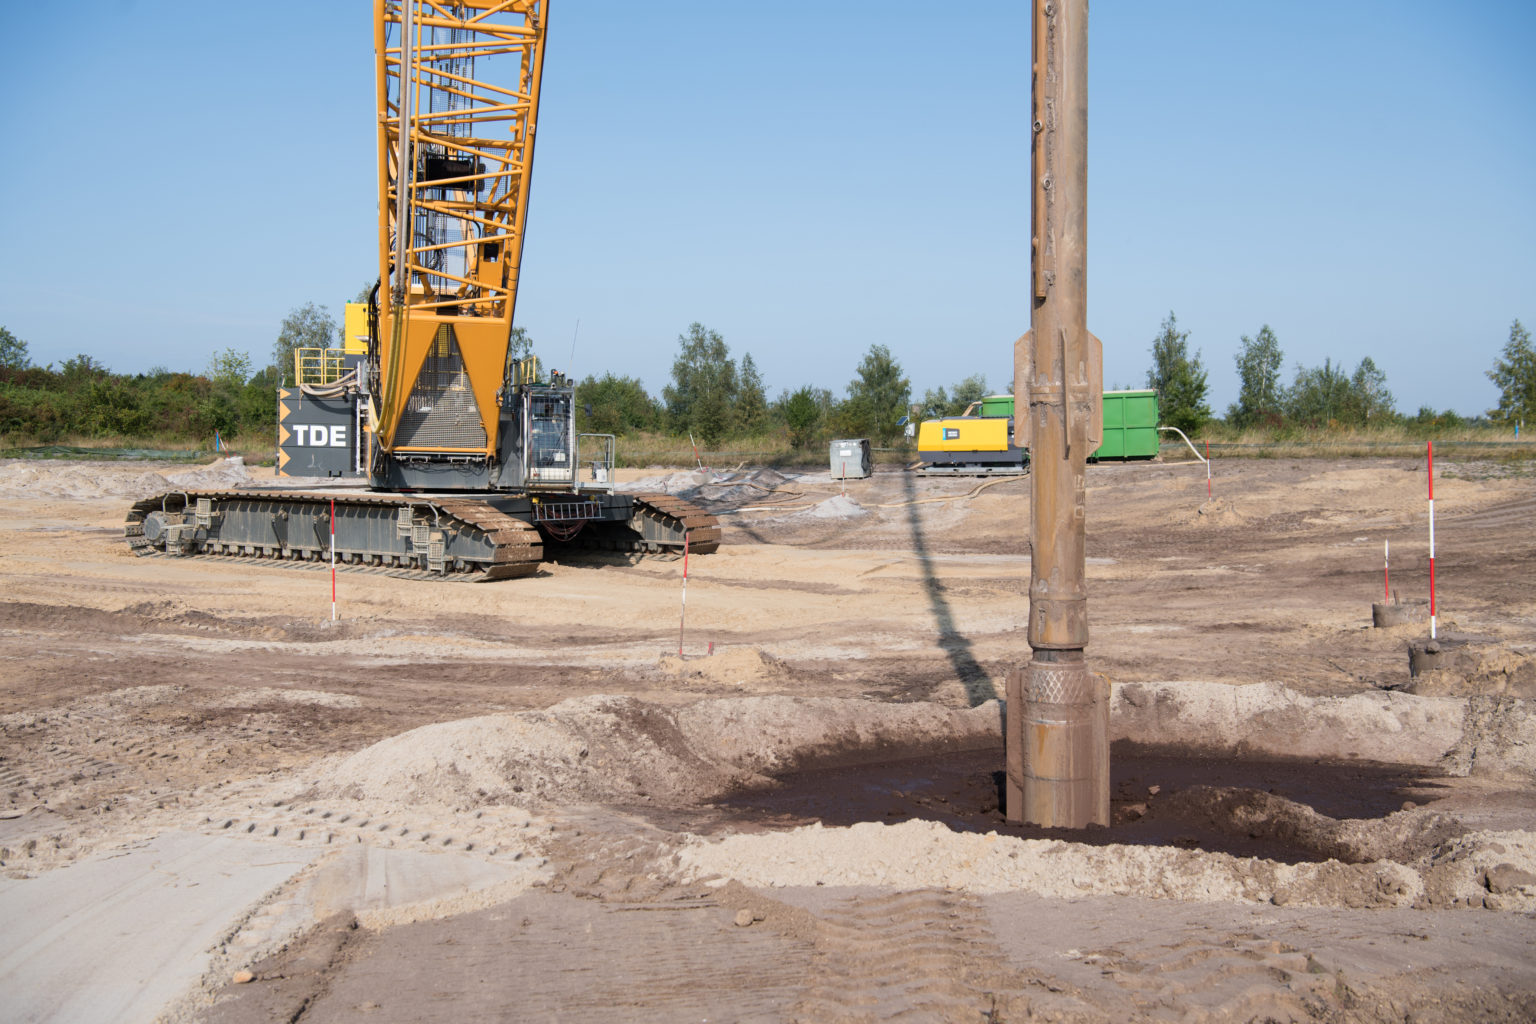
(333, 559)
(1386, 572)
(1207, 469)
(1431, 466)
(683, 615)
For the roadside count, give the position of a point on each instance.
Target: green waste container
(1130, 426)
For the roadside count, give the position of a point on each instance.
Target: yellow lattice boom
(470, 72)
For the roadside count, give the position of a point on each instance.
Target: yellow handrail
(317, 366)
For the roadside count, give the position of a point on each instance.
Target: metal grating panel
(441, 412)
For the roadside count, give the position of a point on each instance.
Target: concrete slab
(119, 936)
(363, 878)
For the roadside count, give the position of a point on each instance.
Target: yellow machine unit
(961, 435)
(970, 445)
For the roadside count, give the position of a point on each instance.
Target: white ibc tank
(851, 459)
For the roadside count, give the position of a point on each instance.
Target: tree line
(713, 398)
(1330, 395)
(83, 397)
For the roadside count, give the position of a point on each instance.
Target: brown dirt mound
(1494, 670)
(738, 666)
(605, 748)
(1216, 512)
(1402, 836)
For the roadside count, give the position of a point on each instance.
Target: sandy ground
(462, 798)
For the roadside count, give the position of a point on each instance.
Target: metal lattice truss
(458, 98)
(471, 146)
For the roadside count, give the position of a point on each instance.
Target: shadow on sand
(978, 685)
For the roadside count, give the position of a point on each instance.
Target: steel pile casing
(1057, 734)
(1058, 745)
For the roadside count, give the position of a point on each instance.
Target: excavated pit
(1282, 810)
(1258, 795)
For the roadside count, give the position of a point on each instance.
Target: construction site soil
(555, 799)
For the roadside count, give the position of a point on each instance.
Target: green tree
(801, 412)
(936, 401)
(110, 406)
(1372, 402)
(751, 402)
(712, 419)
(256, 406)
(1514, 373)
(1428, 419)
(1260, 395)
(619, 405)
(1178, 378)
(877, 397)
(1327, 396)
(1320, 395)
(518, 343)
(703, 391)
(308, 326)
(77, 373)
(941, 401)
(971, 389)
(229, 368)
(519, 346)
(13, 352)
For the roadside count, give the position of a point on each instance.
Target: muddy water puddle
(963, 791)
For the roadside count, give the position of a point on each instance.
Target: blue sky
(807, 181)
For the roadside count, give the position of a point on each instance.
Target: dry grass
(1483, 442)
(652, 449)
(256, 447)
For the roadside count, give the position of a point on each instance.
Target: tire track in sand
(925, 955)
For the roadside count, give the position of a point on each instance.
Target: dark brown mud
(1159, 798)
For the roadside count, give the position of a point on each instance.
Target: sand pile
(604, 748)
(585, 749)
(768, 479)
(734, 666)
(714, 488)
(1216, 512)
(221, 474)
(839, 507)
(771, 735)
(35, 479)
(76, 480)
(739, 487)
(1462, 736)
(1493, 869)
(682, 484)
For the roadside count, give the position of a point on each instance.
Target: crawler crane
(471, 456)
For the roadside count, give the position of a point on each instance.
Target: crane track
(702, 529)
(517, 547)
